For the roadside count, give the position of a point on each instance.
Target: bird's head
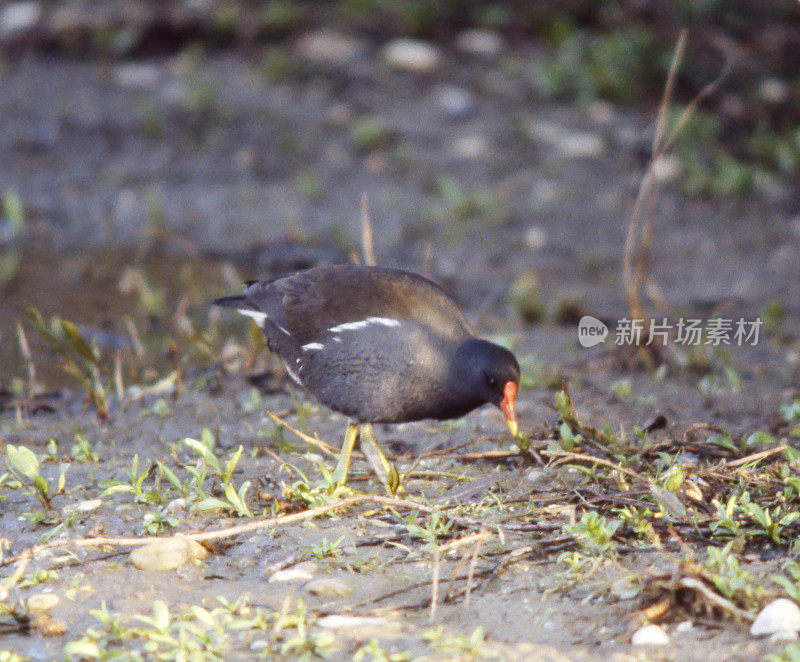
(493, 372)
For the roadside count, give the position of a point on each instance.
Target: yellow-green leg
(386, 471)
(339, 475)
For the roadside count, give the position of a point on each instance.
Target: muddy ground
(152, 185)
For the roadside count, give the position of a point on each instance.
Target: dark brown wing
(311, 302)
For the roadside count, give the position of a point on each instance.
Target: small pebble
(411, 55)
(291, 575)
(87, 506)
(794, 225)
(47, 626)
(137, 76)
(259, 645)
(337, 622)
(544, 194)
(328, 587)
(535, 238)
(773, 90)
(482, 43)
(666, 168)
(167, 554)
(625, 588)
(580, 145)
(328, 47)
(684, 626)
(43, 601)
(19, 16)
(780, 615)
(454, 101)
(650, 635)
(469, 147)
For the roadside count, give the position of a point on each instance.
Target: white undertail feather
(312, 346)
(255, 315)
(259, 318)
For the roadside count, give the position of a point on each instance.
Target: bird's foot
(386, 471)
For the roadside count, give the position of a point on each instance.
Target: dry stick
(580, 457)
(9, 583)
(756, 457)
(435, 586)
(647, 187)
(472, 565)
(367, 245)
(632, 281)
(718, 600)
(228, 532)
(325, 448)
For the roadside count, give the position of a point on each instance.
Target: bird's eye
(492, 381)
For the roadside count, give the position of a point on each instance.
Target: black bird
(379, 346)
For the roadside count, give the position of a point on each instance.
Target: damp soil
(123, 186)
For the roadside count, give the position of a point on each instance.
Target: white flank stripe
(354, 326)
(312, 346)
(256, 315)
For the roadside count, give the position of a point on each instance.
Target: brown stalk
(227, 532)
(639, 234)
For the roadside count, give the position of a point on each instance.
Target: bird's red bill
(507, 406)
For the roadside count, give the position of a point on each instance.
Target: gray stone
(454, 101)
(483, 43)
(328, 47)
(328, 587)
(167, 554)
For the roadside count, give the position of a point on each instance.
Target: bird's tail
(236, 301)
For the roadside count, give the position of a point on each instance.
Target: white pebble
(337, 622)
(19, 16)
(291, 575)
(650, 635)
(780, 615)
(411, 55)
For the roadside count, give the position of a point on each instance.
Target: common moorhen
(380, 346)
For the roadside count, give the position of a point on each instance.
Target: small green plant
(471, 646)
(78, 357)
(732, 581)
(790, 583)
(569, 440)
(372, 652)
(791, 412)
(327, 549)
(156, 523)
(11, 258)
(594, 532)
(622, 389)
(434, 526)
(24, 466)
(368, 134)
(82, 451)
